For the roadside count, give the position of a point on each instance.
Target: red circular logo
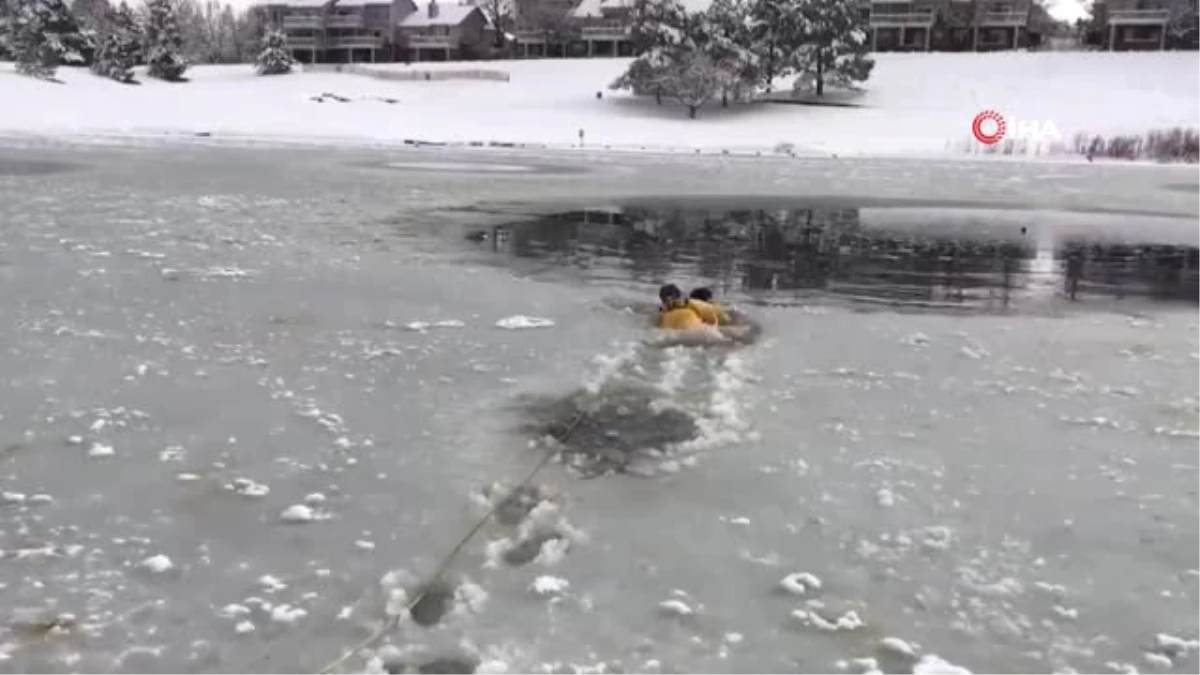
(988, 134)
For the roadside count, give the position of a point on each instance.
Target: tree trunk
(658, 96)
(770, 64)
(820, 74)
(691, 112)
(724, 99)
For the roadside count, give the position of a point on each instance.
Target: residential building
(604, 26)
(449, 32)
(949, 25)
(340, 31)
(904, 25)
(1141, 25)
(349, 31)
(1001, 24)
(544, 28)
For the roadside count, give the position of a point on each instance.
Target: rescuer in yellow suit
(676, 313)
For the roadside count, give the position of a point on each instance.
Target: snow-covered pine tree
(42, 35)
(275, 58)
(726, 40)
(92, 15)
(775, 35)
(119, 51)
(164, 43)
(5, 30)
(695, 79)
(660, 36)
(835, 50)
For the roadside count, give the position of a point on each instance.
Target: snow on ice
(519, 321)
(548, 585)
(800, 583)
(157, 564)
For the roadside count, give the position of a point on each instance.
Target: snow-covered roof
(298, 3)
(360, 3)
(593, 9)
(694, 6)
(447, 15)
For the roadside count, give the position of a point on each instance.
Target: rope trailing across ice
(394, 620)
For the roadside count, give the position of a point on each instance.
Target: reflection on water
(895, 256)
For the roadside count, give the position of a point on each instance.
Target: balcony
(303, 43)
(1008, 18)
(612, 30)
(426, 41)
(344, 21)
(916, 17)
(1138, 17)
(532, 37)
(302, 22)
(354, 42)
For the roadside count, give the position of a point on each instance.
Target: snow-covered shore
(916, 104)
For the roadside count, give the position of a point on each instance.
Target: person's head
(702, 294)
(669, 294)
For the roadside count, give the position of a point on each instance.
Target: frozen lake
(253, 395)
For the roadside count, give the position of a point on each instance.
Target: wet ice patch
(520, 321)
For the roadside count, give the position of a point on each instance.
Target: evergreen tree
(5, 29)
(835, 47)
(775, 36)
(42, 35)
(660, 35)
(727, 43)
(121, 46)
(694, 80)
(164, 43)
(275, 58)
(93, 15)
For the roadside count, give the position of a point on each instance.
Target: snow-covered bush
(164, 42)
(275, 59)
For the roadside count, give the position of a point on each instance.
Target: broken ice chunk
(799, 583)
(157, 564)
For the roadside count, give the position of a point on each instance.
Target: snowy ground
(221, 433)
(915, 104)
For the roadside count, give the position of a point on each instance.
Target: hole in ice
(436, 600)
(443, 664)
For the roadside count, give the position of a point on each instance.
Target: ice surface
(832, 403)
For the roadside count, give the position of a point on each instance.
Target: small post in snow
(581, 138)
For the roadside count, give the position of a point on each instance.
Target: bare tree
(500, 13)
